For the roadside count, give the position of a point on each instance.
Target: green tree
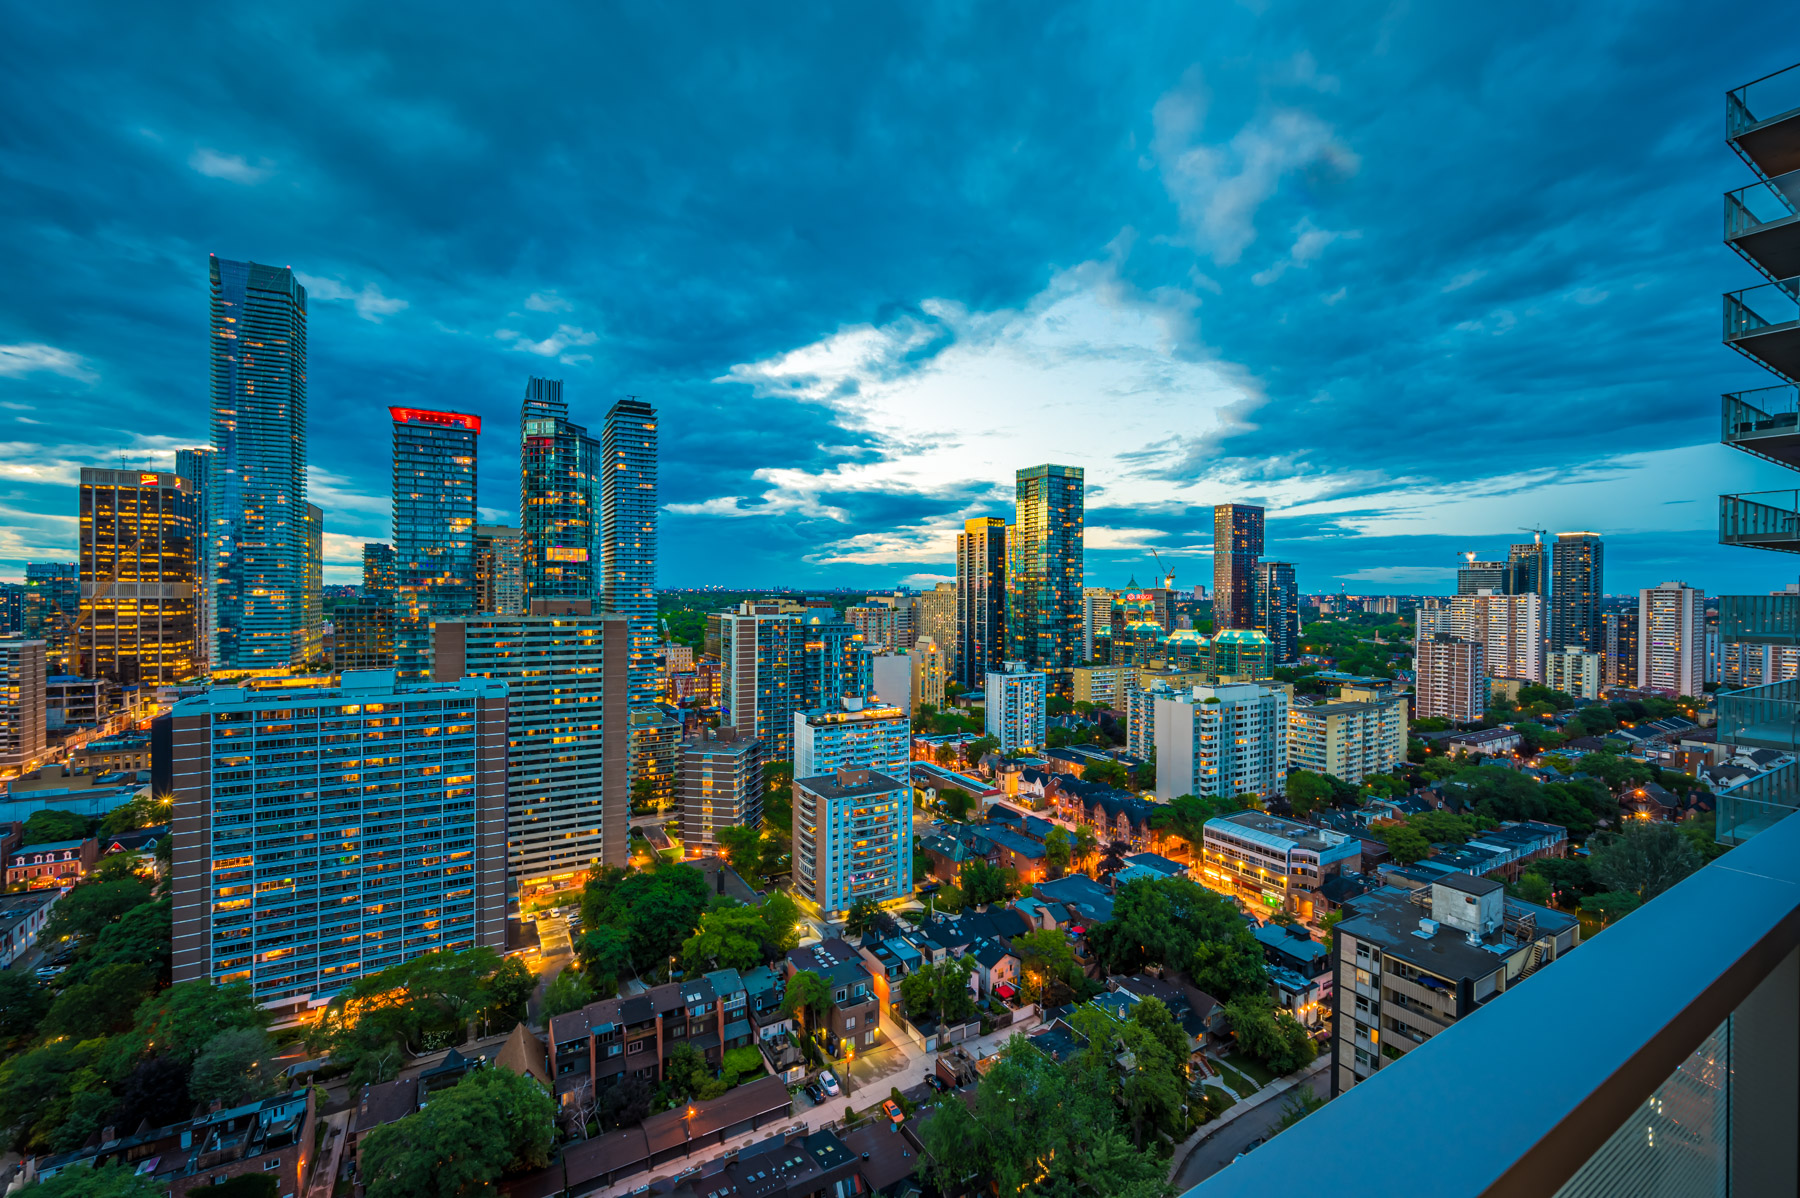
(244, 1185)
(141, 812)
(568, 991)
(1273, 1037)
(728, 938)
(491, 1123)
(92, 906)
(861, 917)
(48, 826)
(1329, 924)
(1406, 843)
(506, 993)
(808, 999)
(605, 958)
(1107, 773)
(1048, 964)
(100, 1005)
(983, 883)
(233, 1067)
(781, 921)
(111, 1180)
(23, 1003)
(743, 847)
(685, 1076)
(956, 802)
(949, 898)
(940, 990)
(1057, 851)
(1085, 842)
(1643, 859)
(1611, 905)
(1531, 888)
(1307, 792)
(183, 1019)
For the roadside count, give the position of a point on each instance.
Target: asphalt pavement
(1219, 1150)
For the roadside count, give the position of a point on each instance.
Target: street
(1218, 1151)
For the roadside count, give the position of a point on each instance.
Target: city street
(1234, 1135)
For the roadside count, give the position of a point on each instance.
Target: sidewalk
(1268, 1093)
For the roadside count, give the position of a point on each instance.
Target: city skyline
(1263, 319)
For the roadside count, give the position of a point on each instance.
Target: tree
(945, 755)
(1569, 877)
(157, 1091)
(605, 958)
(1108, 773)
(861, 917)
(1057, 851)
(111, 1180)
(491, 1123)
(1329, 924)
(100, 1005)
(728, 938)
(742, 845)
(1273, 1037)
(182, 1020)
(781, 921)
(949, 898)
(807, 998)
(1406, 843)
(506, 992)
(983, 883)
(685, 1076)
(627, 1103)
(48, 825)
(1112, 859)
(1307, 792)
(1086, 841)
(956, 802)
(143, 811)
(23, 1002)
(1532, 888)
(1301, 1102)
(939, 990)
(91, 906)
(244, 1185)
(1048, 964)
(568, 991)
(232, 1067)
(1643, 859)
(1611, 905)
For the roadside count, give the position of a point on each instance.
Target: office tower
(378, 571)
(1221, 740)
(1015, 703)
(1237, 544)
(1528, 570)
(877, 737)
(628, 533)
(1473, 577)
(52, 609)
(721, 787)
(559, 498)
(936, 618)
(434, 528)
(1045, 569)
(1450, 679)
(852, 839)
(874, 622)
(139, 531)
(312, 634)
(566, 674)
(499, 570)
(1619, 637)
(1575, 590)
(1672, 640)
(363, 635)
(1575, 672)
(1096, 617)
(298, 881)
(22, 708)
(195, 466)
(1277, 602)
(893, 680)
(12, 608)
(1348, 740)
(981, 594)
(930, 671)
(762, 675)
(836, 664)
(1510, 629)
(257, 494)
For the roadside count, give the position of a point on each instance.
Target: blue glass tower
(559, 498)
(434, 528)
(628, 534)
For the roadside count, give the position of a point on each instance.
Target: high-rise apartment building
(257, 495)
(434, 528)
(836, 665)
(628, 534)
(1277, 604)
(905, 609)
(1619, 652)
(930, 671)
(980, 599)
(297, 881)
(499, 570)
(1574, 671)
(1672, 639)
(12, 608)
(1221, 740)
(1237, 544)
(877, 737)
(1528, 568)
(378, 579)
(762, 675)
(1576, 590)
(363, 635)
(1474, 578)
(559, 498)
(23, 674)
(138, 536)
(1510, 629)
(1348, 740)
(874, 622)
(1045, 570)
(893, 674)
(312, 589)
(852, 838)
(565, 669)
(721, 787)
(195, 466)
(52, 609)
(1015, 704)
(1451, 681)
(1096, 618)
(934, 616)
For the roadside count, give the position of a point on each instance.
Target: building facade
(721, 787)
(628, 533)
(299, 880)
(1237, 545)
(934, 615)
(875, 738)
(1096, 617)
(852, 839)
(139, 540)
(930, 671)
(195, 466)
(1045, 569)
(52, 603)
(434, 528)
(980, 599)
(1103, 686)
(1576, 589)
(1510, 629)
(1277, 603)
(1450, 679)
(257, 494)
(1619, 651)
(559, 498)
(1672, 639)
(1224, 740)
(1350, 740)
(762, 675)
(23, 711)
(379, 579)
(1271, 864)
(499, 570)
(1016, 706)
(836, 664)
(1574, 671)
(363, 636)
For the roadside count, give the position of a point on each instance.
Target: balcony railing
(1763, 323)
(1765, 421)
(1761, 519)
(1763, 717)
(1762, 222)
(1690, 1084)
(1760, 619)
(1751, 807)
(1762, 122)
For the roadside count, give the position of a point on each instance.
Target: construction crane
(1168, 576)
(1537, 534)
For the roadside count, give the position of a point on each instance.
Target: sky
(1416, 277)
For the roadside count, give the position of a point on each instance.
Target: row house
(854, 1017)
(61, 863)
(606, 1041)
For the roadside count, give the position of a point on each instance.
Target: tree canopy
(491, 1123)
(1642, 859)
(1176, 923)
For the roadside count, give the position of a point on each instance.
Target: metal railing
(1689, 1085)
(1768, 518)
(1764, 717)
(1762, 205)
(1765, 411)
(1760, 619)
(1762, 100)
(1765, 308)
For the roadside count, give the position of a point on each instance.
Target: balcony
(1763, 717)
(1762, 122)
(1762, 222)
(1761, 520)
(1765, 422)
(1689, 1085)
(1760, 619)
(1752, 806)
(1763, 324)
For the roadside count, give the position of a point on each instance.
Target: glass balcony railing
(1762, 222)
(1689, 1086)
(1763, 717)
(1754, 806)
(1763, 322)
(1760, 619)
(1762, 122)
(1765, 421)
(1761, 519)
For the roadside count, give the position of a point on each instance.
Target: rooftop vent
(1427, 929)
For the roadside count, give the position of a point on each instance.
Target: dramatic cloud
(17, 360)
(232, 167)
(370, 304)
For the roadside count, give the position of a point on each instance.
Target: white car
(830, 1083)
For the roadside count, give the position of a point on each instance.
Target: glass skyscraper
(559, 498)
(1237, 544)
(257, 494)
(1575, 591)
(1278, 609)
(980, 599)
(1045, 572)
(378, 571)
(138, 563)
(628, 534)
(195, 467)
(434, 528)
(52, 606)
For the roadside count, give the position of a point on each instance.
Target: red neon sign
(421, 416)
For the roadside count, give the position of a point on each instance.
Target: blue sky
(1414, 275)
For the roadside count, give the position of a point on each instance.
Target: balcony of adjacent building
(1763, 324)
(1761, 520)
(1760, 619)
(1762, 222)
(1765, 422)
(1690, 1084)
(1762, 122)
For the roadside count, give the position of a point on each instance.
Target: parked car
(893, 1111)
(816, 1092)
(937, 1083)
(830, 1083)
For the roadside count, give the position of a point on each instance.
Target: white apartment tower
(1451, 683)
(1016, 703)
(1510, 629)
(1221, 740)
(1672, 639)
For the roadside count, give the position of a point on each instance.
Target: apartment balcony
(1689, 1085)
(1765, 422)
(1762, 717)
(1762, 222)
(1760, 619)
(1745, 810)
(1761, 520)
(1762, 122)
(1763, 324)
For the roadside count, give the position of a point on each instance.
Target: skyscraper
(559, 498)
(1474, 577)
(195, 466)
(1096, 618)
(1451, 679)
(434, 528)
(1237, 544)
(52, 608)
(980, 599)
(1672, 639)
(762, 675)
(378, 571)
(1529, 570)
(499, 570)
(23, 710)
(258, 491)
(628, 534)
(1575, 591)
(312, 588)
(1619, 651)
(838, 663)
(1277, 601)
(139, 533)
(1509, 628)
(936, 618)
(1045, 570)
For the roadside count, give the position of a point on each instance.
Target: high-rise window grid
(138, 537)
(559, 498)
(434, 527)
(628, 533)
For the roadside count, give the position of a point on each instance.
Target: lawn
(1221, 1098)
(1237, 1081)
(1254, 1069)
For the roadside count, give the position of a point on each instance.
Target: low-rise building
(1272, 864)
(1489, 742)
(1348, 740)
(606, 1041)
(22, 917)
(855, 1015)
(1103, 686)
(61, 863)
(127, 752)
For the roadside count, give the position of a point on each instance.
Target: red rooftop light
(422, 416)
